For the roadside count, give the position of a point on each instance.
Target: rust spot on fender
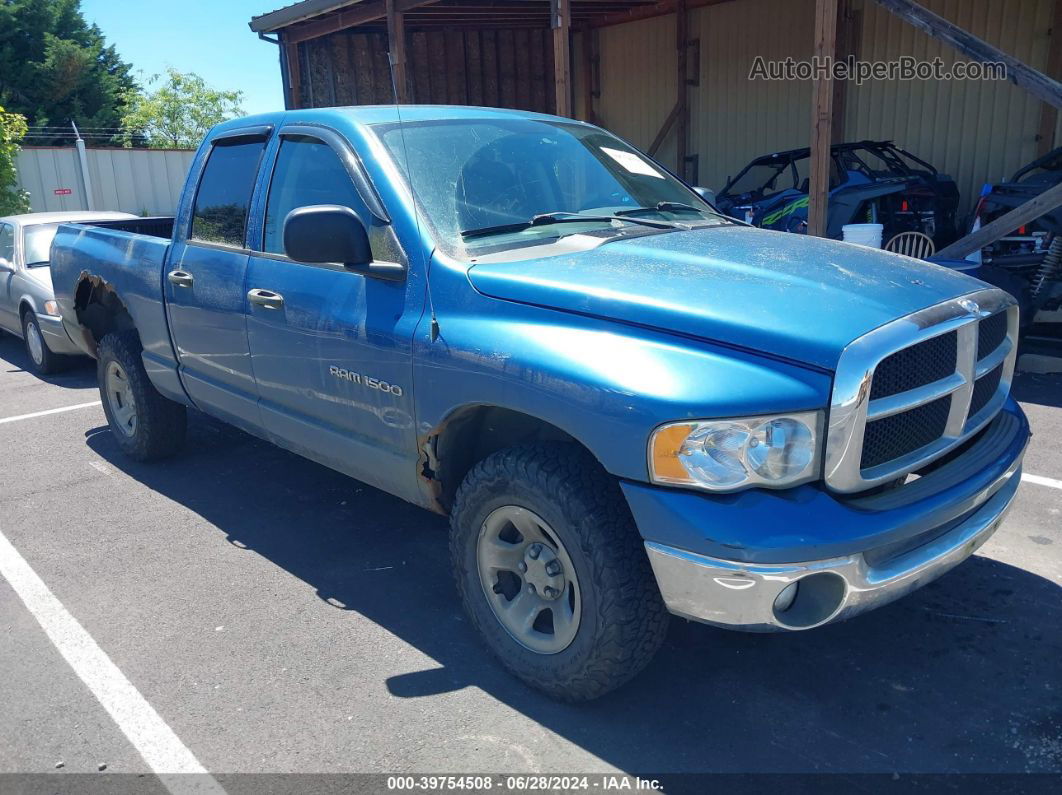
(427, 467)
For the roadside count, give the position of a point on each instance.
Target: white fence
(140, 181)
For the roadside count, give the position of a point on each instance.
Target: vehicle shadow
(80, 374)
(963, 676)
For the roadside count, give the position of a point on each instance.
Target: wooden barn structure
(673, 76)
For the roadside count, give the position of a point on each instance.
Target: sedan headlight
(727, 455)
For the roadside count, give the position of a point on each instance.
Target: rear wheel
(146, 425)
(553, 573)
(43, 361)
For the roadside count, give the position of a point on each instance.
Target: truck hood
(801, 298)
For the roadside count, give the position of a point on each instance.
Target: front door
(331, 348)
(204, 284)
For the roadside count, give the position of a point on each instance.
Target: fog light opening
(810, 600)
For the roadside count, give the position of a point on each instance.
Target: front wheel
(553, 573)
(146, 425)
(44, 362)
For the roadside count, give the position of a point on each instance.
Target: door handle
(265, 298)
(180, 278)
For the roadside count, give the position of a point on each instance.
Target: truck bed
(153, 226)
(129, 256)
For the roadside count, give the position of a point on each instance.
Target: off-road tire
(161, 423)
(50, 363)
(623, 619)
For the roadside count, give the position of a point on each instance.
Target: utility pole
(82, 157)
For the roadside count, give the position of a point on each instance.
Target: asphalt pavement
(280, 617)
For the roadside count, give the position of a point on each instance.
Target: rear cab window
(223, 198)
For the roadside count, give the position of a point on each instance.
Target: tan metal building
(625, 67)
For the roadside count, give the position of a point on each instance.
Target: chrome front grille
(990, 334)
(916, 366)
(900, 434)
(910, 391)
(985, 389)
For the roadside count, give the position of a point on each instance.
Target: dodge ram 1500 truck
(627, 404)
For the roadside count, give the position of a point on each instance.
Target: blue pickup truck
(626, 403)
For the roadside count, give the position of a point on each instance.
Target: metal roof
(296, 12)
(295, 19)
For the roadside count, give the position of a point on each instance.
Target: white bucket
(863, 234)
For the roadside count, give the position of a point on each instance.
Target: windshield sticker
(632, 162)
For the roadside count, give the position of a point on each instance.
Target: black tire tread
(631, 618)
(161, 423)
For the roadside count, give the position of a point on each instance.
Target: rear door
(331, 348)
(204, 283)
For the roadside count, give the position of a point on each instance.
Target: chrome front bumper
(743, 596)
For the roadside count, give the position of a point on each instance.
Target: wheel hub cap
(34, 343)
(545, 572)
(119, 396)
(528, 579)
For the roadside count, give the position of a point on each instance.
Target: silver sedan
(27, 303)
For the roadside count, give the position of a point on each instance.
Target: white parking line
(1039, 480)
(156, 742)
(49, 411)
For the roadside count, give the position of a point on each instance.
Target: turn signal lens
(51, 308)
(725, 455)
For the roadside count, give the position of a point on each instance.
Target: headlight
(726, 455)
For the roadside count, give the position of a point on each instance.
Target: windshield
(763, 178)
(37, 244)
(481, 182)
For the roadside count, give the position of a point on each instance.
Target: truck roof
(386, 114)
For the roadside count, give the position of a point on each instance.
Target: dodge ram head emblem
(970, 306)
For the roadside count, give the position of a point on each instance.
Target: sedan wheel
(34, 344)
(42, 360)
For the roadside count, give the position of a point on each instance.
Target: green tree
(12, 198)
(55, 67)
(178, 112)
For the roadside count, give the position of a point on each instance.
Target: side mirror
(6, 266)
(326, 233)
(333, 233)
(707, 194)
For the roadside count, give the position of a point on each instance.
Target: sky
(209, 37)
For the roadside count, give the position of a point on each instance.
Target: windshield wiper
(667, 207)
(38, 264)
(543, 219)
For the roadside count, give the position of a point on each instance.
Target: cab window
(308, 171)
(224, 195)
